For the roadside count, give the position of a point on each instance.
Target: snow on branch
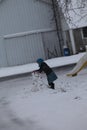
(74, 11)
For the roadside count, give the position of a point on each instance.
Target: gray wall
(79, 40)
(27, 30)
(24, 15)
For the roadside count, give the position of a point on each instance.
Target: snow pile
(55, 62)
(27, 102)
(50, 109)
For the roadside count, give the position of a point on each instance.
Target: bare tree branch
(75, 7)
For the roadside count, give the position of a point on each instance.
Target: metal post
(72, 41)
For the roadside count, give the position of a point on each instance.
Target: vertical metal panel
(3, 59)
(26, 49)
(17, 16)
(24, 15)
(23, 50)
(51, 44)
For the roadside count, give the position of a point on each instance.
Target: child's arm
(40, 70)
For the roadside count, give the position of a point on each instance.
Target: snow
(75, 14)
(24, 107)
(55, 62)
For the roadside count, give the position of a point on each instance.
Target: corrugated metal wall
(51, 46)
(24, 49)
(24, 15)
(3, 59)
(27, 31)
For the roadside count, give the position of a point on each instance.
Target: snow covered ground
(29, 105)
(55, 62)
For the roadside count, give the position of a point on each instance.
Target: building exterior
(74, 24)
(27, 32)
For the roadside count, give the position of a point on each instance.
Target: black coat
(51, 76)
(44, 67)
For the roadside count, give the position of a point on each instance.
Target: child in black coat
(51, 76)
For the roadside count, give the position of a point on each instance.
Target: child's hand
(36, 71)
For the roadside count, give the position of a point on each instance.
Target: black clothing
(51, 76)
(44, 67)
(51, 85)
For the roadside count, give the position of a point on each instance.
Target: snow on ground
(55, 62)
(23, 107)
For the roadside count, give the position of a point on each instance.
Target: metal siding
(51, 44)
(23, 50)
(3, 58)
(18, 16)
(24, 15)
(36, 46)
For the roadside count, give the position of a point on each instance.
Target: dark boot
(52, 85)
